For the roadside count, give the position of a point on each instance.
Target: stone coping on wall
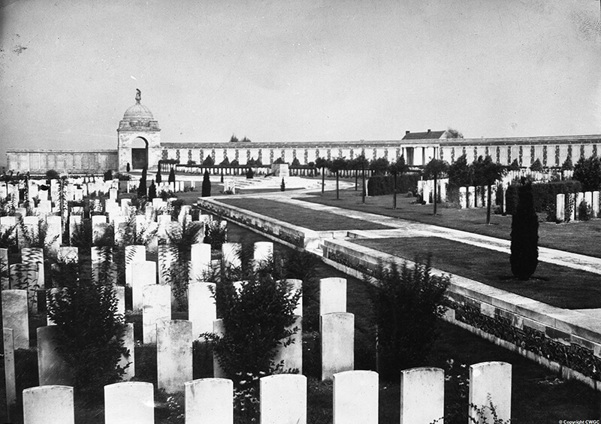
(291, 234)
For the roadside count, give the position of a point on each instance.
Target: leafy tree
(51, 174)
(234, 139)
(152, 191)
(258, 162)
(379, 166)
(322, 164)
(108, 175)
(460, 173)
(515, 166)
(524, 236)
(225, 162)
(142, 186)
(407, 302)
(453, 133)
(536, 166)
(360, 163)
(206, 185)
(171, 178)
(209, 161)
(295, 162)
(90, 330)
(588, 172)
(567, 164)
(487, 173)
(235, 163)
(283, 185)
(397, 168)
(159, 177)
(245, 140)
(435, 169)
(336, 166)
(251, 162)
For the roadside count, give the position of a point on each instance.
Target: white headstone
(167, 257)
(157, 306)
(120, 295)
(560, 207)
(133, 254)
(49, 404)
(129, 361)
(283, 399)
(9, 367)
(143, 274)
(35, 256)
(490, 383)
(174, 354)
(68, 254)
(595, 204)
(15, 315)
(209, 400)
(471, 196)
(337, 343)
(295, 286)
(202, 310)
(291, 356)
(422, 395)
(129, 402)
(230, 254)
(332, 295)
(218, 329)
(579, 200)
(200, 261)
(4, 269)
(263, 252)
(356, 397)
(52, 367)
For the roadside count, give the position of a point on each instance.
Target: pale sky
(297, 70)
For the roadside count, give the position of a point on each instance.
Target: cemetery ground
(538, 396)
(577, 237)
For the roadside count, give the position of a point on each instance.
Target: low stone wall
(71, 161)
(563, 340)
(292, 235)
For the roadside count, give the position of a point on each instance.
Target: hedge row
(545, 195)
(379, 185)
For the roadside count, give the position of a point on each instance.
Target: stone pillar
(283, 399)
(202, 310)
(356, 397)
(9, 368)
(560, 207)
(174, 354)
(490, 382)
(129, 343)
(230, 254)
(143, 274)
(209, 400)
(15, 315)
(422, 395)
(133, 254)
(218, 329)
(51, 404)
(130, 402)
(471, 196)
(337, 343)
(332, 295)
(292, 355)
(52, 368)
(200, 261)
(157, 306)
(263, 252)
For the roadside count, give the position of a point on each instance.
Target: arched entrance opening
(139, 153)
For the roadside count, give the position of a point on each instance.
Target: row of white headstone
(476, 196)
(283, 399)
(574, 200)
(426, 189)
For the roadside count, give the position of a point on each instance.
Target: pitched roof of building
(423, 135)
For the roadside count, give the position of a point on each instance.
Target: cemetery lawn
(552, 284)
(577, 237)
(321, 221)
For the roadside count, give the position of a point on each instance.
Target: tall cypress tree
(206, 185)
(524, 236)
(142, 186)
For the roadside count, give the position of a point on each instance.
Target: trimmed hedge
(544, 195)
(379, 185)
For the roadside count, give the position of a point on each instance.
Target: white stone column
(174, 354)
(15, 315)
(356, 397)
(337, 343)
(490, 382)
(332, 295)
(209, 400)
(52, 404)
(202, 310)
(129, 402)
(283, 399)
(422, 395)
(157, 306)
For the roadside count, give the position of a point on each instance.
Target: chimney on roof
(407, 132)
